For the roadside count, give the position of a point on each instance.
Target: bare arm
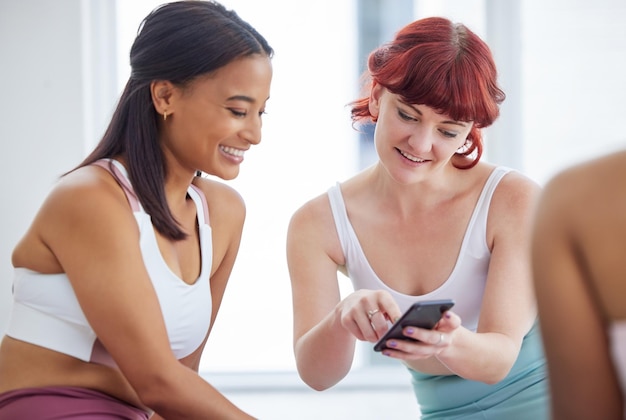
(582, 382)
(323, 349)
(96, 241)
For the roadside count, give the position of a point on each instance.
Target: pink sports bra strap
(205, 206)
(122, 180)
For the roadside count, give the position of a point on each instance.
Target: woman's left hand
(429, 342)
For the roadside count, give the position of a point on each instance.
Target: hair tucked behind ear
(179, 42)
(442, 65)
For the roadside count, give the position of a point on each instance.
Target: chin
(229, 175)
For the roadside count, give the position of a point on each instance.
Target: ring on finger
(371, 313)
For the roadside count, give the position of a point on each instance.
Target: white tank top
(466, 283)
(46, 312)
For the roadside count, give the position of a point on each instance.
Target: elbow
(318, 368)
(315, 380)
(318, 378)
(493, 380)
(157, 391)
(318, 386)
(153, 395)
(496, 375)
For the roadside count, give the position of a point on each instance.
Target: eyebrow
(443, 122)
(243, 98)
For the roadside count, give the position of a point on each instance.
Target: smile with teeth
(411, 157)
(232, 151)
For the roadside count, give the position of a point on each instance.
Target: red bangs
(442, 65)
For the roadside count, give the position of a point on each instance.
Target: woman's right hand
(367, 314)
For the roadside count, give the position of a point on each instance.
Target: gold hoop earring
(164, 115)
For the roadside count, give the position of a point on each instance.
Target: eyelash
(244, 114)
(238, 113)
(407, 117)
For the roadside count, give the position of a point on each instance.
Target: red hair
(444, 66)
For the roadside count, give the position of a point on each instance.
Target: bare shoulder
(516, 185)
(515, 192)
(87, 203)
(225, 203)
(513, 205)
(587, 195)
(312, 230)
(312, 214)
(598, 178)
(87, 191)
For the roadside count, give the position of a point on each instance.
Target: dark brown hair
(179, 42)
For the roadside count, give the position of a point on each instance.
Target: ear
(161, 92)
(376, 93)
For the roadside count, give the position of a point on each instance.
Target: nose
(421, 141)
(252, 131)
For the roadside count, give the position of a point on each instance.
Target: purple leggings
(65, 403)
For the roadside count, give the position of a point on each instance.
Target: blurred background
(64, 63)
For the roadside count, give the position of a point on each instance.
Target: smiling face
(212, 121)
(413, 141)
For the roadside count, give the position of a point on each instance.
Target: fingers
(388, 306)
(379, 323)
(449, 322)
(366, 313)
(428, 342)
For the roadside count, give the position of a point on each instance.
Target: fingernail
(448, 315)
(410, 330)
(386, 353)
(392, 344)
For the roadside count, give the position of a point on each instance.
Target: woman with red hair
(427, 221)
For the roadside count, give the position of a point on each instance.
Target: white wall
(47, 114)
(574, 62)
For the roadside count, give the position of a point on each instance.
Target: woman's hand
(367, 313)
(429, 342)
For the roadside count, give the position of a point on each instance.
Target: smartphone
(423, 314)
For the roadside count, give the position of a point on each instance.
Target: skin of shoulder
(81, 197)
(576, 222)
(514, 200)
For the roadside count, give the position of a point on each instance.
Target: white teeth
(232, 151)
(412, 158)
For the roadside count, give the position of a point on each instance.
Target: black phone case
(423, 314)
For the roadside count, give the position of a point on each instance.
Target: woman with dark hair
(120, 277)
(427, 221)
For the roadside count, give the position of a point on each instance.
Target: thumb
(449, 321)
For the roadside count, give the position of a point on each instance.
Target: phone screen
(423, 314)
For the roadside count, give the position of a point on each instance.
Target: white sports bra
(46, 312)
